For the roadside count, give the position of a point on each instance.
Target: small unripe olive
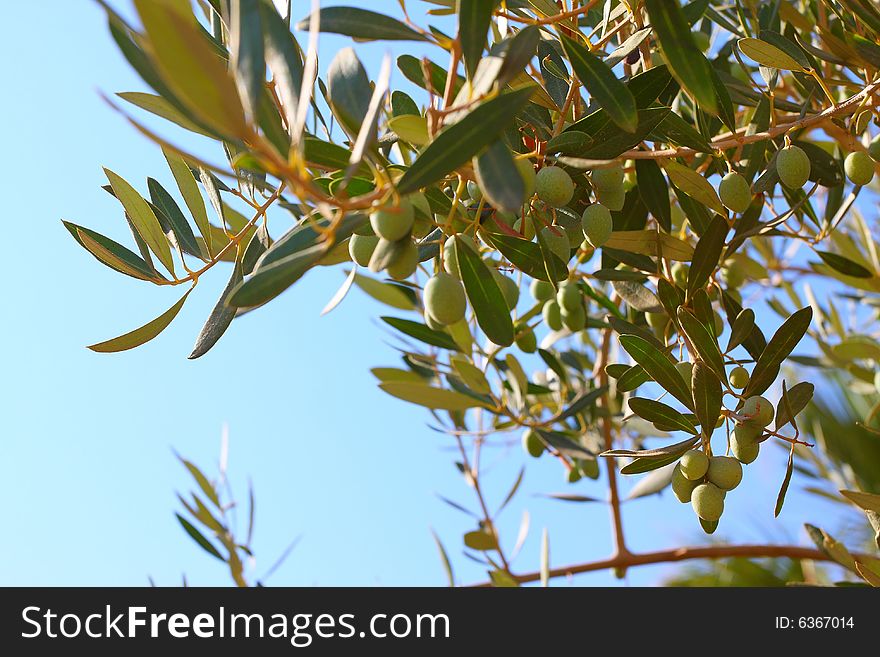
(859, 168)
(681, 485)
(657, 321)
(745, 451)
(542, 290)
(393, 223)
(719, 323)
(708, 502)
(405, 263)
(874, 148)
(444, 298)
(554, 186)
(597, 224)
(553, 315)
(725, 472)
(361, 248)
(557, 241)
(735, 193)
(758, 410)
(607, 178)
(733, 273)
(509, 288)
(532, 443)
(792, 167)
(526, 340)
(686, 369)
(680, 274)
(747, 433)
(701, 39)
(450, 259)
(694, 464)
(474, 192)
(569, 296)
(612, 198)
(527, 171)
(432, 323)
(574, 319)
(739, 377)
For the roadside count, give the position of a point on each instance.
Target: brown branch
(620, 549)
(680, 554)
(731, 140)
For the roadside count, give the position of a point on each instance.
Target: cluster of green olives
(563, 308)
(793, 169)
(387, 242)
(704, 480)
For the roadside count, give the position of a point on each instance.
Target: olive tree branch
(731, 140)
(681, 554)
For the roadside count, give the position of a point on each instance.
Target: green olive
(444, 298)
(694, 464)
(725, 472)
(708, 502)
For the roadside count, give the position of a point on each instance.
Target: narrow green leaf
(459, 142)
(198, 537)
(642, 465)
(143, 218)
(686, 62)
(866, 501)
(580, 403)
(637, 296)
(527, 257)
(693, 184)
(161, 107)
(444, 558)
(844, 265)
(284, 59)
(177, 223)
(607, 91)
(741, 329)
(777, 350)
(112, 254)
(632, 378)
(202, 481)
(678, 132)
(219, 319)
(349, 90)
(499, 177)
(392, 295)
(707, 253)
(474, 17)
(363, 25)
(654, 192)
(189, 189)
(659, 365)
(191, 67)
(429, 396)
(766, 54)
(798, 397)
(485, 296)
(707, 398)
(421, 332)
(143, 334)
(650, 243)
(676, 449)
(780, 499)
(564, 444)
(662, 416)
(247, 51)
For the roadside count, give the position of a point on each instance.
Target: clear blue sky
(87, 471)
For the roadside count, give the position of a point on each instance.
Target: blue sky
(87, 469)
